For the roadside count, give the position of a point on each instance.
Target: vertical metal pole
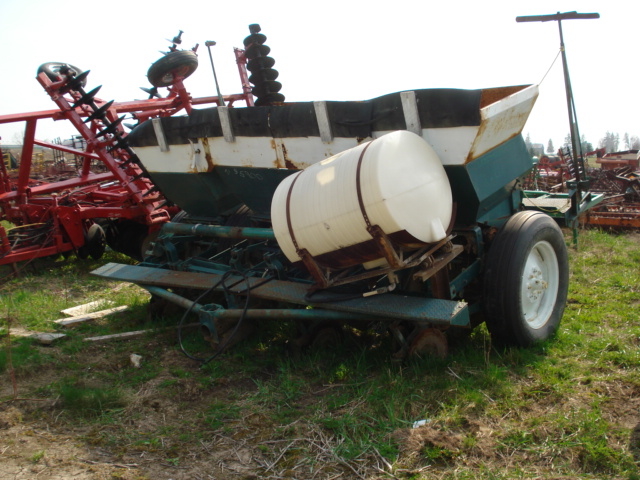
(241, 61)
(25, 160)
(209, 44)
(5, 185)
(576, 145)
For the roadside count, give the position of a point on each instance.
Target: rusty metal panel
(503, 120)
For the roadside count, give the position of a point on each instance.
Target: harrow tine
(139, 176)
(153, 189)
(153, 92)
(111, 128)
(87, 98)
(100, 112)
(74, 83)
(121, 143)
(132, 159)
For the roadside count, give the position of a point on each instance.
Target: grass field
(569, 408)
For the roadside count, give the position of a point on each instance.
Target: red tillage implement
(110, 198)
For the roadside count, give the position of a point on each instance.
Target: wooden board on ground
(116, 336)
(89, 316)
(135, 333)
(86, 308)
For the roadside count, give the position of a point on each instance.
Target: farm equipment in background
(620, 186)
(629, 159)
(404, 213)
(106, 196)
(9, 162)
(616, 183)
(550, 172)
(618, 180)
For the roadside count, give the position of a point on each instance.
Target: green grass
(44, 288)
(562, 409)
(219, 413)
(37, 456)
(80, 400)
(22, 355)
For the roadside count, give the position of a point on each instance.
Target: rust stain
(489, 96)
(288, 163)
(276, 162)
(207, 153)
(282, 155)
(491, 126)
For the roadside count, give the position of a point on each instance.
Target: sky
(337, 50)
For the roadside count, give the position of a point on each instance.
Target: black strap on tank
(359, 186)
(288, 212)
(358, 191)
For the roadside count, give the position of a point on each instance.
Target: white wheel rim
(540, 283)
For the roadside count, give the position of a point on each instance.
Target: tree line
(610, 143)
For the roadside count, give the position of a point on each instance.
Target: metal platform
(547, 203)
(560, 206)
(392, 307)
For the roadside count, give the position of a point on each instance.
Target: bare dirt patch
(29, 450)
(166, 431)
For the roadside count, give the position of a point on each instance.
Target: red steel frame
(69, 207)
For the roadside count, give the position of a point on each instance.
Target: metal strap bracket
(410, 110)
(324, 125)
(157, 128)
(225, 123)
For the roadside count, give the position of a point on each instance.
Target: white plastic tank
(396, 181)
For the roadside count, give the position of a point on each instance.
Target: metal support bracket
(157, 128)
(410, 110)
(441, 253)
(324, 125)
(225, 123)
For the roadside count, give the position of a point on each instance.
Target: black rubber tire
(536, 237)
(127, 236)
(96, 242)
(52, 69)
(82, 253)
(180, 63)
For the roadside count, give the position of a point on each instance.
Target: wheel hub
(536, 285)
(540, 284)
